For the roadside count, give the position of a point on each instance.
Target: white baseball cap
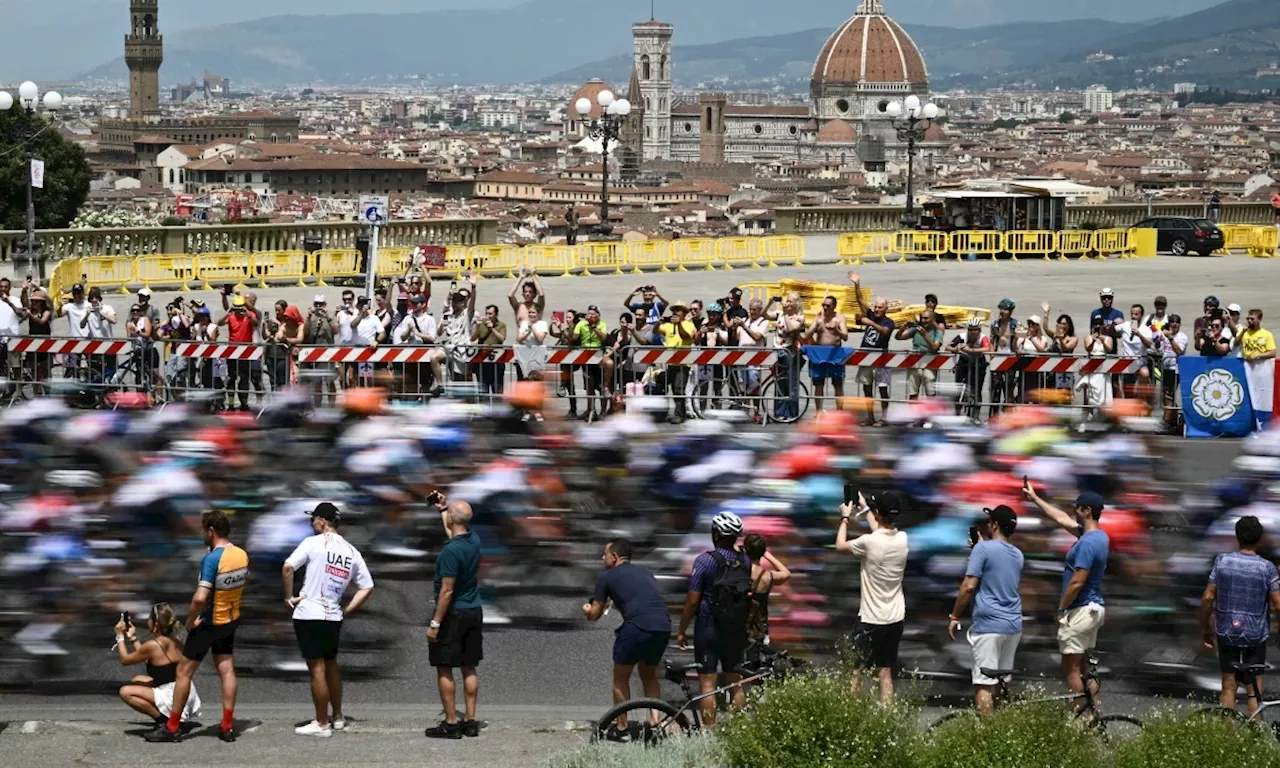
(319, 299)
(144, 292)
(1234, 309)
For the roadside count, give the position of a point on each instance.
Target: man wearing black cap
(882, 611)
(331, 565)
(1081, 609)
(993, 574)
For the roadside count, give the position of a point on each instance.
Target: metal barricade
(331, 264)
(1030, 242)
(499, 260)
(649, 253)
(743, 251)
(779, 250)
(108, 271)
(558, 260)
(231, 268)
(917, 243)
(280, 265)
(1267, 242)
(1075, 242)
(1237, 237)
(601, 256)
(176, 270)
(865, 245)
(1112, 241)
(693, 252)
(393, 261)
(975, 243)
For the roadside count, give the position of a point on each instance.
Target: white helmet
(726, 524)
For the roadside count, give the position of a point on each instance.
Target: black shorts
(318, 639)
(877, 645)
(712, 653)
(460, 642)
(219, 638)
(632, 645)
(1230, 655)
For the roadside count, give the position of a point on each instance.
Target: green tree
(67, 174)
(1067, 117)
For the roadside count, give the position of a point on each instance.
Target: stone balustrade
(876, 218)
(247, 238)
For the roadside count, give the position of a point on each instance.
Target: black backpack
(730, 598)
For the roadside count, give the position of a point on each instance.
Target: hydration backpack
(730, 598)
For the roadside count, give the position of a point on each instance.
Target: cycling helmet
(727, 524)
(975, 322)
(715, 309)
(1008, 304)
(1212, 301)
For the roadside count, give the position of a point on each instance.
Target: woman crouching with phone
(152, 693)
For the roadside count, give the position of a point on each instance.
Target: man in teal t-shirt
(455, 634)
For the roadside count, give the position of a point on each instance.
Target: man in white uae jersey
(331, 565)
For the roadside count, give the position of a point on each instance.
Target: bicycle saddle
(676, 673)
(1251, 669)
(997, 672)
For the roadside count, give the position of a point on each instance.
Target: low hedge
(1182, 738)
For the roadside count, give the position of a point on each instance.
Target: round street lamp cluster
(606, 129)
(911, 119)
(21, 133)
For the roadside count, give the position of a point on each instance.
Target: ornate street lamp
(606, 129)
(911, 120)
(23, 133)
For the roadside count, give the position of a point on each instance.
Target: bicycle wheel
(1268, 718)
(1117, 728)
(648, 721)
(705, 399)
(785, 407)
(951, 717)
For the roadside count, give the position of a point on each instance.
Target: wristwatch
(435, 624)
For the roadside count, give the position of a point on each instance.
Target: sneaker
(470, 728)
(613, 734)
(338, 724)
(162, 734)
(229, 735)
(444, 730)
(314, 728)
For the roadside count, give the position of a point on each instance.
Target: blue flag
(827, 355)
(1215, 397)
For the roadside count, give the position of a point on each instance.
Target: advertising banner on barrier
(1215, 397)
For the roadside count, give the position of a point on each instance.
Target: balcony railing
(874, 218)
(247, 238)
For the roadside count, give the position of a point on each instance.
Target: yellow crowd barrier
(690, 253)
(393, 261)
(649, 253)
(223, 268)
(1267, 243)
(1074, 242)
(743, 251)
(175, 269)
(1112, 241)
(108, 270)
(556, 259)
(1028, 242)
(280, 265)
(976, 243)
(1237, 237)
(502, 260)
(856, 246)
(334, 264)
(601, 256)
(920, 243)
(778, 249)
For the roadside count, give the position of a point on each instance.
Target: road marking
(31, 726)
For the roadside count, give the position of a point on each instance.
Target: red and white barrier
(755, 357)
(69, 346)
(226, 351)
(422, 355)
(899, 360)
(1111, 366)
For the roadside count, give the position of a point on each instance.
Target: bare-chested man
(829, 329)
(529, 310)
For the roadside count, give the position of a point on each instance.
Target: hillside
(540, 37)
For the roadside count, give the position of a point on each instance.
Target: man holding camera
(677, 331)
(321, 329)
(649, 297)
(241, 323)
(877, 329)
(993, 575)
(1213, 340)
(926, 339)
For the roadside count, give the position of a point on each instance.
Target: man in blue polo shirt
(1107, 313)
(646, 625)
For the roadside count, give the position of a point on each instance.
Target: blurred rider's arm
(1060, 518)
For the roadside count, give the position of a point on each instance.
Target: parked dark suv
(1181, 235)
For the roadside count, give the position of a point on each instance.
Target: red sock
(175, 721)
(227, 719)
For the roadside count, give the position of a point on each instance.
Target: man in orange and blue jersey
(211, 624)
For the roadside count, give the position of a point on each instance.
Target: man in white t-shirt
(1133, 340)
(884, 561)
(332, 565)
(75, 311)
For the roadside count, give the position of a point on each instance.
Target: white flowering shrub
(118, 219)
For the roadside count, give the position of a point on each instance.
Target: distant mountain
(528, 41)
(788, 59)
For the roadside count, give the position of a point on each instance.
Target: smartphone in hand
(850, 494)
(557, 317)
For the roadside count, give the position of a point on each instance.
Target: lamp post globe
(605, 98)
(894, 109)
(53, 101)
(912, 103)
(930, 111)
(6, 101)
(28, 92)
(624, 107)
(583, 106)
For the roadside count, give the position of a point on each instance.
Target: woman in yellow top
(677, 332)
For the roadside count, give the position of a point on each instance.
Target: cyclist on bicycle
(719, 595)
(1234, 611)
